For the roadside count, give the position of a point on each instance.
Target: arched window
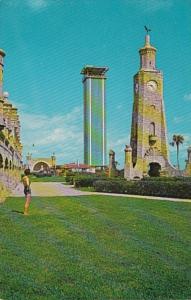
(1, 161)
(152, 128)
(6, 163)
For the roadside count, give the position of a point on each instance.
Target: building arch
(154, 169)
(41, 166)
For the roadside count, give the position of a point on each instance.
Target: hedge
(175, 189)
(89, 180)
(187, 179)
(85, 180)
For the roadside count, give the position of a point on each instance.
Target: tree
(177, 140)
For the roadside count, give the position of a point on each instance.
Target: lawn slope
(95, 247)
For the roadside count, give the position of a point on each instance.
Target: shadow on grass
(18, 212)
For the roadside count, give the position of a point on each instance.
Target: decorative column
(188, 163)
(128, 168)
(112, 164)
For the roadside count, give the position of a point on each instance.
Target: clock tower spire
(148, 130)
(147, 55)
(147, 154)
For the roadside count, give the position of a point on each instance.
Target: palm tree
(177, 140)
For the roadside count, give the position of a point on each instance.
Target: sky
(47, 43)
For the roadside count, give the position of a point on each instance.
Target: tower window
(152, 128)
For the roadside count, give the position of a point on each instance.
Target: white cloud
(154, 5)
(182, 150)
(178, 120)
(187, 140)
(186, 136)
(37, 4)
(32, 4)
(118, 146)
(60, 134)
(187, 97)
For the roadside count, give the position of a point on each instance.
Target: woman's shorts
(27, 191)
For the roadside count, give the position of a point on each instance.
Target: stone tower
(147, 154)
(148, 130)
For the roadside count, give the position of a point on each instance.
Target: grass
(86, 189)
(48, 179)
(95, 247)
(4, 192)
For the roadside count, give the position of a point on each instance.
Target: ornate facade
(10, 144)
(45, 164)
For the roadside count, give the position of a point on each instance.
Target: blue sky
(47, 43)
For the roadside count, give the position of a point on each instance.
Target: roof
(42, 159)
(76, 166)
(89, 69)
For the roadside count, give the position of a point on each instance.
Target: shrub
(176, 189)
(85, 180)
(89, 180)
(69, 179)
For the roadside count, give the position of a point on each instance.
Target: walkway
(49, 189)
(53, 189)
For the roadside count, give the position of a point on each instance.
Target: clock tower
(148, 130)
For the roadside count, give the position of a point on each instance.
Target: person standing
(27, 191)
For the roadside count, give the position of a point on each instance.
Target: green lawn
(95, 247)
(48, 179)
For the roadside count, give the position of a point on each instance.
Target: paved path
(51, 189)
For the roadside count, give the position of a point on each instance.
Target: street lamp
(53, 157)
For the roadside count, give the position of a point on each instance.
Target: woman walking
(27, 191)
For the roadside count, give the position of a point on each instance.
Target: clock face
(152, 85)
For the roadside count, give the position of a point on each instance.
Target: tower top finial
(147, 37)
(2, 52)
(147, 29)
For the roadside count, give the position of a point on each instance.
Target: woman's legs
(27, 203)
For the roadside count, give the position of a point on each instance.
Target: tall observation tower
(94, 115)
